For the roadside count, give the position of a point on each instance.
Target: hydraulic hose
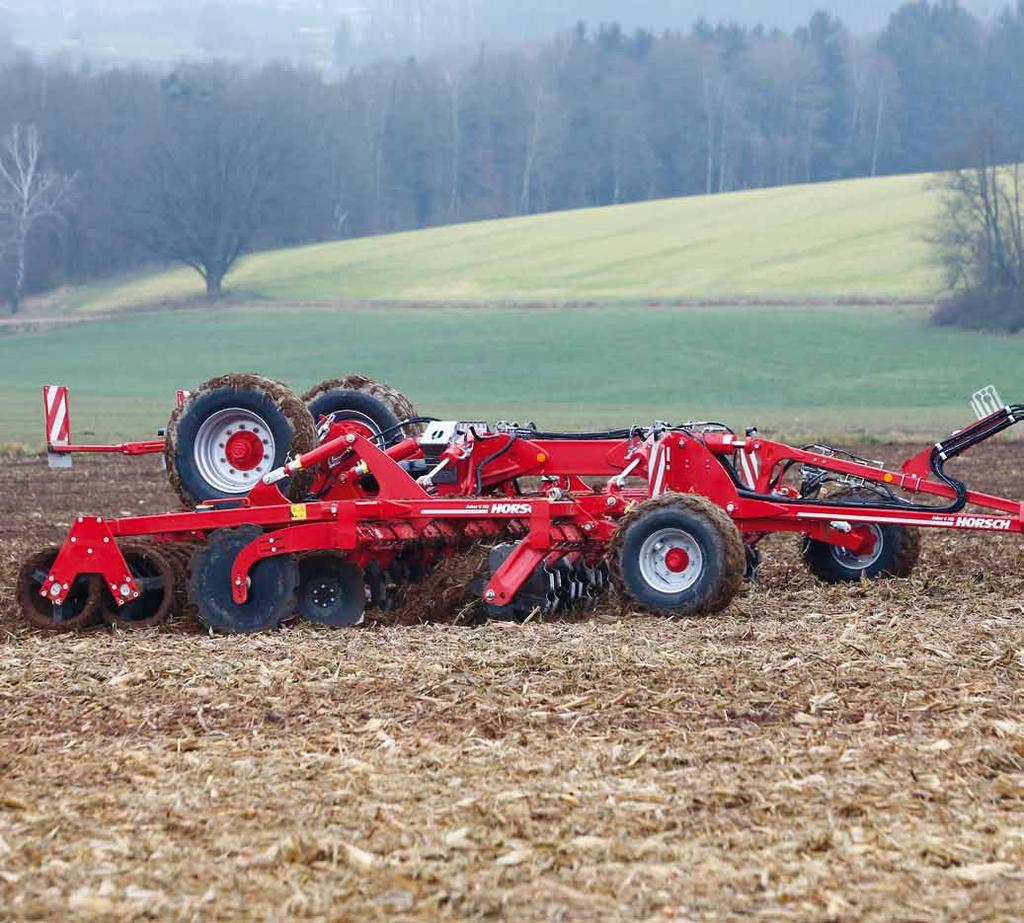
(490, 458)
(950, 448)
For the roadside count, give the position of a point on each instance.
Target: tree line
(204, 163)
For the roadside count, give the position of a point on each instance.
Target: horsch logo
(510, 509)
(983, 522)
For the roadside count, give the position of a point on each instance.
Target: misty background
(143, 133)
(331, 34)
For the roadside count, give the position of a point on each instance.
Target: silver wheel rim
(211, 440)
(853, 561)
(654, 566)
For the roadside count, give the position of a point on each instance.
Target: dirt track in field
(815, 753)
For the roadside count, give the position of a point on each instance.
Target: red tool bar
(151, 447)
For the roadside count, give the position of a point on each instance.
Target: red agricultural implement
(325, 506)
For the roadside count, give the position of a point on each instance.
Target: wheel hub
(867, 556)
(244, 450)
(351, 422)
(671, 561)
(325, 594)
(677, 560)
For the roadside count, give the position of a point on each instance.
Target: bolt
(88, 551)
(350, 438)
(106, 541)
(588, 527)
(731, 507)
(73, 539)
(55, 590)
(489, 594)
(612, 501)
(125, 589)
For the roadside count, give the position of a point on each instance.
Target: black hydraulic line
(942, 452)
(490, 458)
(575, 437)
(410, 422)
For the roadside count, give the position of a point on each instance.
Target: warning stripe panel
(58, 424)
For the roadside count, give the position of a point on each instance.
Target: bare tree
(211, 177)
(30, 196)
(981, 243)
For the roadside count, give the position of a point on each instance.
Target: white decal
(983, 522)
(511, 509)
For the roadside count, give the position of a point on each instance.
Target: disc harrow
(347, 502)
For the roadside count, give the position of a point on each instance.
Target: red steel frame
(564, 515)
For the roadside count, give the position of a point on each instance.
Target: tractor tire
(399, 405)
(678, 555)
(362, 412)
(896, 553)
(265, 420)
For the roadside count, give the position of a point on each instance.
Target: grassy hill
(627, 357)
(850, 238)
(805, 372)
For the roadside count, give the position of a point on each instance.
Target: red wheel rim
(355, 428)
(244, 450)
(677, 560)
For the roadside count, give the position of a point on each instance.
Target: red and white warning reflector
(58, 424)
(749, 467)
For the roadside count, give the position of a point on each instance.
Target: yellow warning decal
(299, 511)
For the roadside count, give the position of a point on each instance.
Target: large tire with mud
(678, 555)
(357, 395)
(231, 431)
(896, 553)
(357, 412)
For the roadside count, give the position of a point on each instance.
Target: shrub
(983, 309)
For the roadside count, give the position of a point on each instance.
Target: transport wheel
(79, 610)
(155, 575)
(230, 432)
(357, 412)
(386, 406)
(331, 590)
(895, 554)
(272, 585)
(678, 555)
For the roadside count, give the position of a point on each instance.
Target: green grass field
(851, 238)
(799, 371)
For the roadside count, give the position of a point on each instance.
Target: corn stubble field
(814, 753)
